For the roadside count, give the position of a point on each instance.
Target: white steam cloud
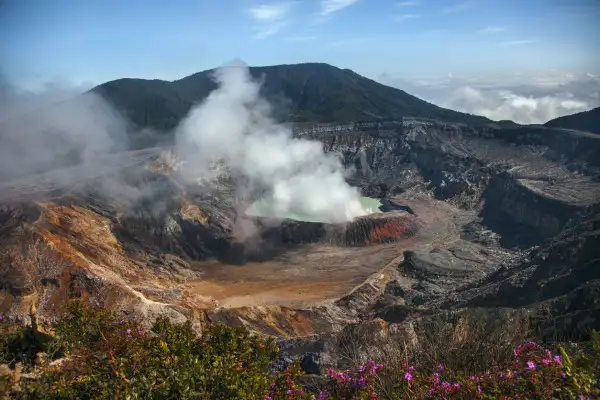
(234, 124)
(57, 140)
(55, 128)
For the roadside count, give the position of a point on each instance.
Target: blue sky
(93, 41)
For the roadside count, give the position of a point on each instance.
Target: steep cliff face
(560, 281)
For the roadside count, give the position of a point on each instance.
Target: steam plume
(235, 124)
(48, 130)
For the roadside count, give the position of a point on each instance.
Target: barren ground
(310, 274)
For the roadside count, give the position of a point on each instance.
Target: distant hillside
(584, 121)
(313, 92)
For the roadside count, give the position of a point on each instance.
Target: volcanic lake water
(263, 208)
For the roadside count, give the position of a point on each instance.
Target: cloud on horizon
(521, 98)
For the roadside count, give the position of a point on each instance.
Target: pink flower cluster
(442, 388)
(291, 390)
(371, 367)
(351, 385)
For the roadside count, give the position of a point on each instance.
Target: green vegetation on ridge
(310, 92)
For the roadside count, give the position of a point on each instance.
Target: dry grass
(466, 342)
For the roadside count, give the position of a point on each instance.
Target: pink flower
(558, 360)
(408, 376)
(440, 368)
(531, 364)
(323, 395)
(479, 389)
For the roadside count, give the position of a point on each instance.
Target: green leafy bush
(111, 358)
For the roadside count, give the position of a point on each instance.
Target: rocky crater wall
(368, 230)
(533, 178)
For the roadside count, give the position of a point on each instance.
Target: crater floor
(306, 275)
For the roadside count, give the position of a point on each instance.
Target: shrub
(112, 358)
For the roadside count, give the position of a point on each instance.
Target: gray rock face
(527, 182)
(561, 278)
(532, 252)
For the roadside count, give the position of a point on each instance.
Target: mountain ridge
(307, 92)
(583, 121)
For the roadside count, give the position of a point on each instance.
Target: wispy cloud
(299, 38)
(459, 6)
(517, 42)
(263, 32)
(405, 17)
(270, 12)
(271, 18)
(407, 3)
(331, 6)
(491, 30)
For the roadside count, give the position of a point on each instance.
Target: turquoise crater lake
(264, 208)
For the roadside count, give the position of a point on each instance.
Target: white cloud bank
(523, 98)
